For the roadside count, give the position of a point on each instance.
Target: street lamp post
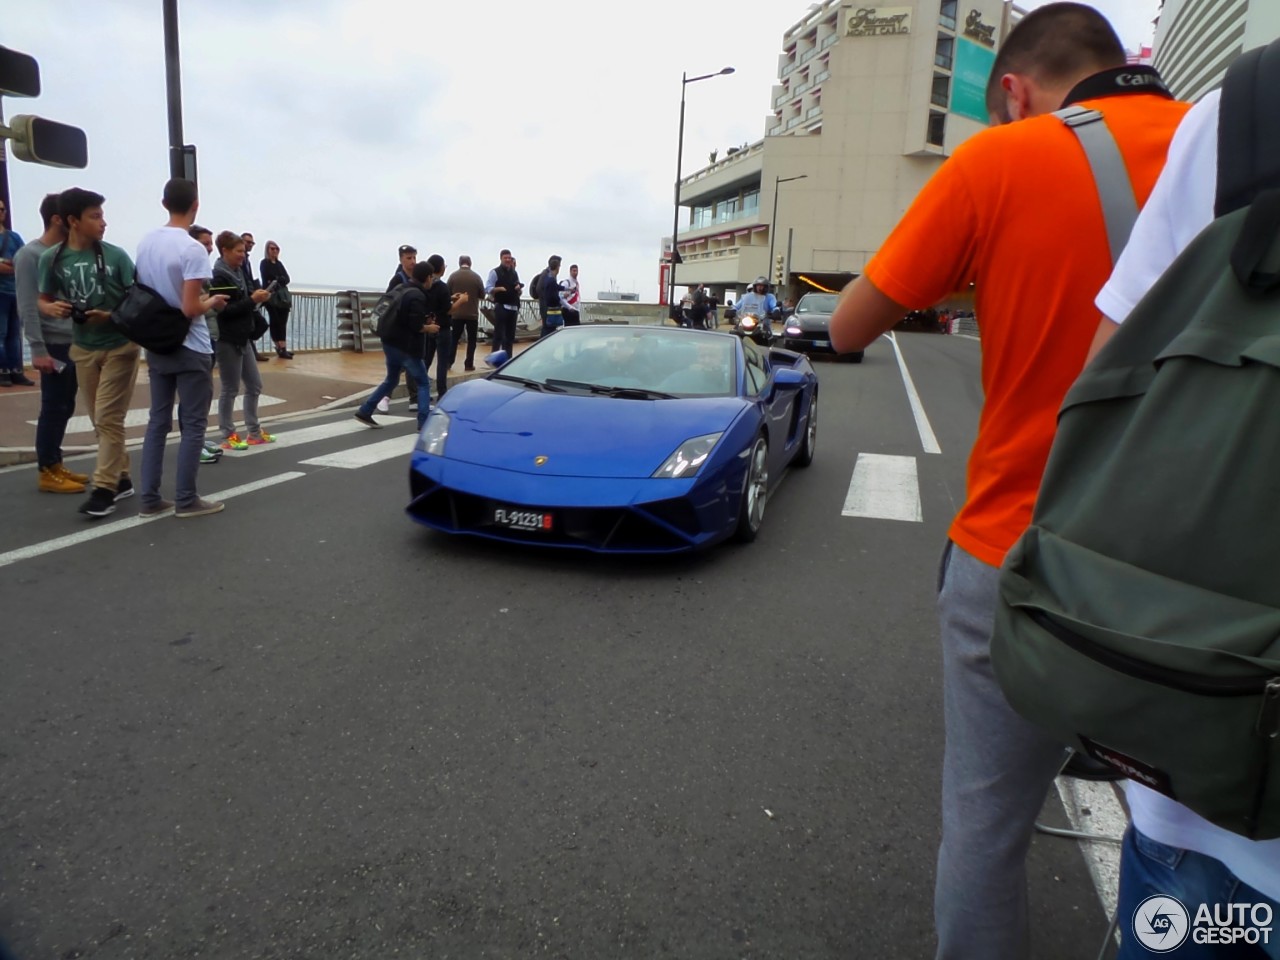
(773, 223)
(685, 80)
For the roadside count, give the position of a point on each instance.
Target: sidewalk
(310, 381)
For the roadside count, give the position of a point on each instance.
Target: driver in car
(759, 302)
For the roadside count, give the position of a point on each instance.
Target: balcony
(814, 111)
(795, 122)
(740, 168)
(777, 130)
(825, 74)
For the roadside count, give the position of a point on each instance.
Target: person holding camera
(90, 278)
(237, 329)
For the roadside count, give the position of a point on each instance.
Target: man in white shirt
(570, 297)
(1169, 850)
(177, 267)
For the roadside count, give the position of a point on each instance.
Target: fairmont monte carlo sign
(877, 21)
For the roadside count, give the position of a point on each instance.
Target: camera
(80, 311)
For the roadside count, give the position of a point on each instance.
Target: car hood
(510, 427)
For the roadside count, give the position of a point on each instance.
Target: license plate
(516, 518)
(822, 343)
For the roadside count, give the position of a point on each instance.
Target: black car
(808, 330)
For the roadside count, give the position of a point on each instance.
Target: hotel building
(1196, 40)
(869, 101)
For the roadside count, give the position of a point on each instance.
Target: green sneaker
(208, 456)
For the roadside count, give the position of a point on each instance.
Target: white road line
(884, 487)
(321, 431)
(927, 439)
(364, 456)
(138, 417)
(106, 529)
(1094, 808)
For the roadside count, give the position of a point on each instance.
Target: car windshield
(632, 362)
(817, 303)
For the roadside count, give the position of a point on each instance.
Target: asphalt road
(307, 727)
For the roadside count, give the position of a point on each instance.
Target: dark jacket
(269, 271)
(235, 321)
(548, 293)
(406, 331)
(509, 278)
(398, 278)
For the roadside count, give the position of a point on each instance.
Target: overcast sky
(344, 128)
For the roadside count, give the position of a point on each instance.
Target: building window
(941, 96)
(947, 14)
(750, 203)
(942, 53)
(937, 134)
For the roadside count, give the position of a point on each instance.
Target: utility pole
(173, 89)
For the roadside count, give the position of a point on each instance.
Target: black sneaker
(367, 420)
(124, 489)
(101, 503)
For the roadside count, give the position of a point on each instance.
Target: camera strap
(101, 263)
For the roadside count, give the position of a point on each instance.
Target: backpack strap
(1248, 134)
(1110, 175)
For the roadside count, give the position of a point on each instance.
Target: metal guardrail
(965, 325)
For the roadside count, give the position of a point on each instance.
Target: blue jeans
(398, 361)
(187, 377)
(57, 405)
(440, 348)
(1149, 868)
(10, 335)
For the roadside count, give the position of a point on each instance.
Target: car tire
(755, 493)
(807, 448)
(850, 357)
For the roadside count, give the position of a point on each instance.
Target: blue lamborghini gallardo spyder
(617, 439)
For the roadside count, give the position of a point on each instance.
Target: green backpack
(1140, 613)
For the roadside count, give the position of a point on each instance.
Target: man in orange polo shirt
(1015, 210)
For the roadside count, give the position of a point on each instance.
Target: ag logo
(1161, 924)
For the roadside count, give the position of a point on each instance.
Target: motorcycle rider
(759, 302)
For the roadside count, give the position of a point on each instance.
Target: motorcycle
(753, 326)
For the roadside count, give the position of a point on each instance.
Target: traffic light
(19, 74)
(777, 270)
(48, 142)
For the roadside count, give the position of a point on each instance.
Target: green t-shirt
(76, 281)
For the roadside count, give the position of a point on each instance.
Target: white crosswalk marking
(364, 456)
(139, 417)
(116, 526)
(321, 431)
(884, 487)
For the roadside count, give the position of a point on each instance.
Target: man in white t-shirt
(1168, 849)
(177, 267)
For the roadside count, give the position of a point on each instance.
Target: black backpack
(535, 287)
(384, 312)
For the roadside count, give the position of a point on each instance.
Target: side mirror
(497, 359)
(788, 379)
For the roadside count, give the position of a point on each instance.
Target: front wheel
(755, 493)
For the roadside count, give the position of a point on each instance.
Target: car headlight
(434, 433)
(688, 458)
(749, 322)
(793, 331)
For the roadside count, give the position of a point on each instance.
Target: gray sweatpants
(996, 772)
(237, 364)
